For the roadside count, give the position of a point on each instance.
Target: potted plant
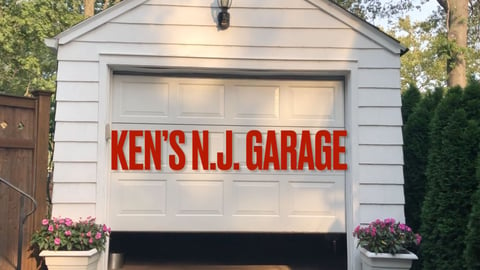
(386, 245)
(67, 244)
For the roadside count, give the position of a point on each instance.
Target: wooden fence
(24, 127)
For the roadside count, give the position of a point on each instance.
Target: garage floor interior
(222, 251)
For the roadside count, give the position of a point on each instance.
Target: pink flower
(89, 234)
(105, 228)
(61, 221)
(82, 235)
(57, 241)
(373, 232)
(390, 220)
(98, 235)
(90, 241)
(68, 222)
(50, 228)
(68, 233)
(419, 239)
(44, 221)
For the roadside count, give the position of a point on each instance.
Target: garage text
(273, 150)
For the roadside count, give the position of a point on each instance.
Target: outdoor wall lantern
(224, 16)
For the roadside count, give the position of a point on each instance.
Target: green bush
(472, 250)
(410, 99)
(450, 184)
(416, 138)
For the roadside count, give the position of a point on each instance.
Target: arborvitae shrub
(416, 138)
(471, 99)
(472, 250)
(410, 99)
(450, 184)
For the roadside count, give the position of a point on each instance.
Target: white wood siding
(159, 14)
(367, 57)
(77, 71)
(75, 172)
(77, 91)
(380, 144)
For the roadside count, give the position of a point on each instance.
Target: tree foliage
(416, 138)
(450, 183)
(373, 9)
(472, 242)
(410, 99)
(472, 250)
(27, 63)
(437, 46)
(422, 65)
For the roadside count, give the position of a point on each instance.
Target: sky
(416, 15)
(426, 10)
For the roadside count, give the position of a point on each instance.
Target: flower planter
(66, 260)
(380, 261)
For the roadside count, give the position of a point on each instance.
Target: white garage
(156, 69)
(272, 200)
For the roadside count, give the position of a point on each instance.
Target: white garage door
(256, 192)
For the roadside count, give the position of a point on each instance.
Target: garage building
(281, 65)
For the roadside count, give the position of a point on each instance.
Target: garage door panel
(138, 197)
(227, 102)
(199, 198)
(212, 200)
(225, 202)
(201, 101)
(256, 198)
(255, 102)
(312, 103)
(152, 101)
(311, 199)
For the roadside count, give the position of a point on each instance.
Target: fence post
(42, 116)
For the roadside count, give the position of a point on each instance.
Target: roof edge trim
(363, 27)
(95, 21)
(51, 43)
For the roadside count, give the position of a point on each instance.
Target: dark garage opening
(294, 251)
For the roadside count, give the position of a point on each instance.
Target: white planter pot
(66, 260)
(384, 261)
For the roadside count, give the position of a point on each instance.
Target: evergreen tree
(472, 251)
(450, 184)
(416, 138)
(410, 98)
(471, 99)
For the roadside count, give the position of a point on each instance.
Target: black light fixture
(224, 17)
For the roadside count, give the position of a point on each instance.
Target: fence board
(24, 127)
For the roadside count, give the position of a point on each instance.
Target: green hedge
(443, 184)
(472, 250)
(416, 139)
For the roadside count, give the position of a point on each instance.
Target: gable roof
(328, 6)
